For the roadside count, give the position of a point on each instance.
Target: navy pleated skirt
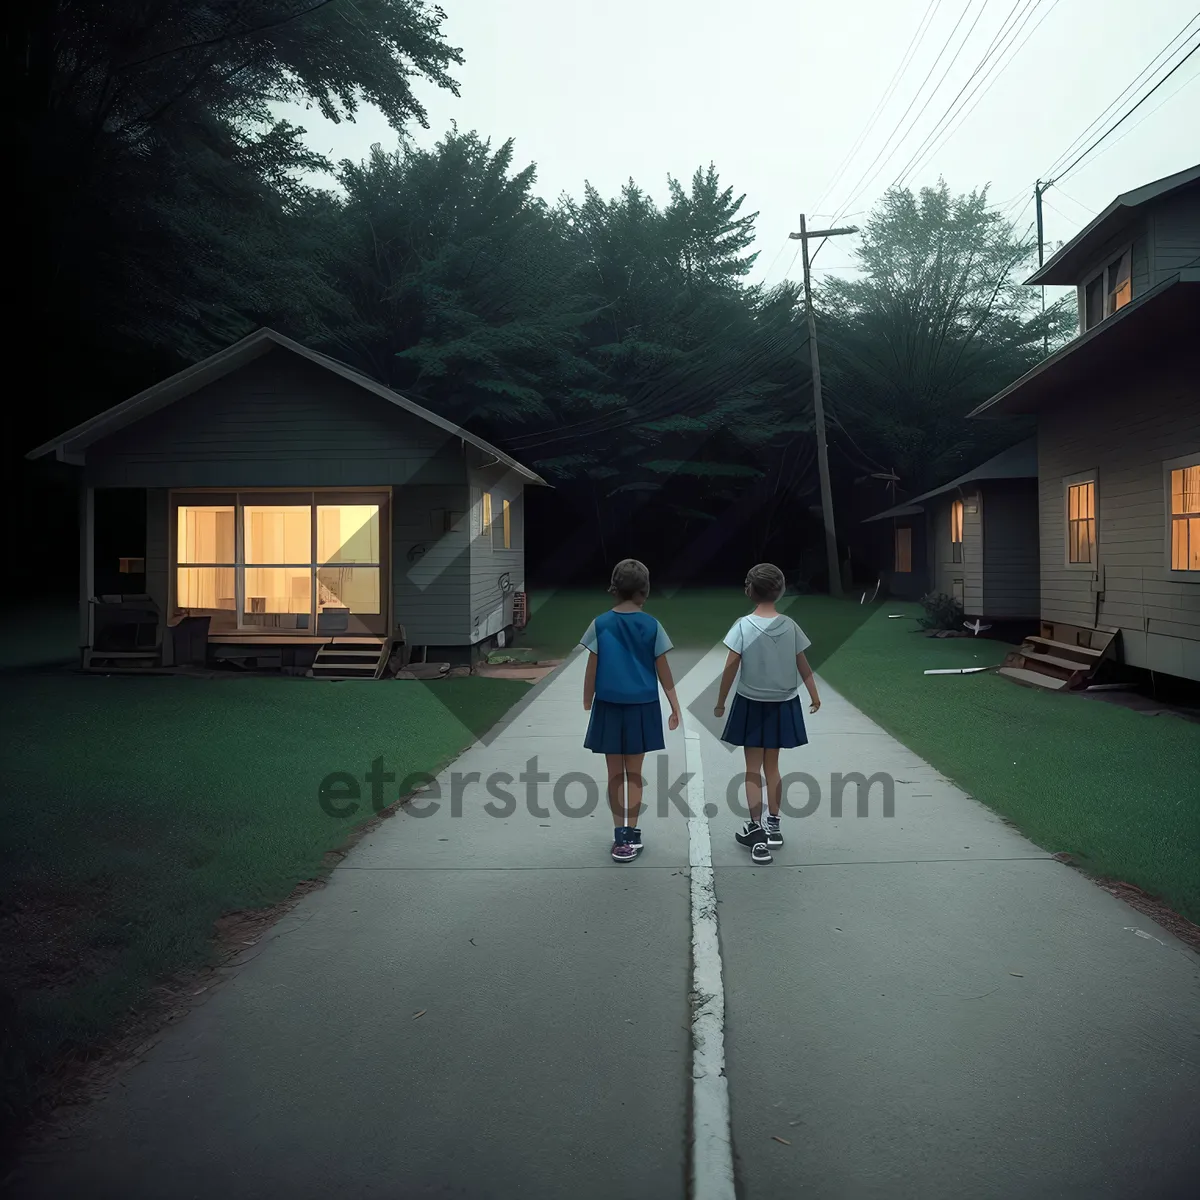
(771, 725)
(624, 728)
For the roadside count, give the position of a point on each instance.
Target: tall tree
(937, 322)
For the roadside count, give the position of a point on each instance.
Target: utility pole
(1038, 190)
(831, 554)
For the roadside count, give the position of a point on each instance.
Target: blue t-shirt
(626, 645)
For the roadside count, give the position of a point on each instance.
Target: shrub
(941, 612)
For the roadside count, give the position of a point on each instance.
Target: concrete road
(921, 1005)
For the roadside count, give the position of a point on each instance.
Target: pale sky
(776, 92)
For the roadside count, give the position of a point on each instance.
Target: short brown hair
(765, 582)
(629, 578)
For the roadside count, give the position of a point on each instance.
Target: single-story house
(1118, 437)
(974, 538)
(292, 501)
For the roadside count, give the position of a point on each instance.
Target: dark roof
(1167, 315)
(69, 445)
(1078, 255)
(1017, 462)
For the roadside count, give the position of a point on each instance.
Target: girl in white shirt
(766, 654)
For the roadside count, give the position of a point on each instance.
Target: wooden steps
(1032, 678)
(357, 658)
(1061, 656)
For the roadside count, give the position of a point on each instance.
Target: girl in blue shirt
(626, 662)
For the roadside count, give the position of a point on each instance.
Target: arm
(589, 681)
(668, 685)
(727, 676)
(809, 682)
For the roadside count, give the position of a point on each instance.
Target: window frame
(1101, 273)
(896, 567)
(239, 499)
(1069, 482)
(958, 514)
(1175, 464)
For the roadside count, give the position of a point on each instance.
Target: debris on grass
(955, 670)
(419, 1014)
(782, 1141)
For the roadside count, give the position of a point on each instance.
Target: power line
(1066, 171)
(985, 84)
(905, 60)
(1115, 103)
(872, 170)
(1136, 124)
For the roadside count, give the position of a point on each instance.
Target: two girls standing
(627, 661)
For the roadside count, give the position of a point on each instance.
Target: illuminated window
(502, 530)
(1081, 522)
(1183, 489)
(487, 512)
(956, 531)
(264, 561)
(903, 549)
(1108, 290)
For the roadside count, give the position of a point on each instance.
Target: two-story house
(1118, 442)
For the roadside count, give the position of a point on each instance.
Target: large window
(1109, 289)
(956, 531)
(310, 562)
(1081, 521)
(903, 549)
(1183, 514)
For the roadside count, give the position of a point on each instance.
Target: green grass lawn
(138, 811)
(1115, 788)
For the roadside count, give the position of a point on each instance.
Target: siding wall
(945, 571)
(1124, 428)
(431, 591)
(1175, 233)
(1010, 540)
(490, 604)
(280, 421)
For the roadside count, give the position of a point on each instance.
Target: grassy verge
(138, 811)
(1114, 788)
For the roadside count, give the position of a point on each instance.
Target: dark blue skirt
(624, 728)
(771, 725)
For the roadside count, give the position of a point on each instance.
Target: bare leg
(633, 785)
(774, 783)
(754, 790)
(616, 787)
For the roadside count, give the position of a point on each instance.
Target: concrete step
(1033, 678)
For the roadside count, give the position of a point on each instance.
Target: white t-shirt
(768, 646)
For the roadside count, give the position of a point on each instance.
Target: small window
(1081, 522)
(956, 531)
(1183, 514)
(1108, 290)
(903, 549)
(502, 529)
(487, 513)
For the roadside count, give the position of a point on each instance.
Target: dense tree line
(612, 343)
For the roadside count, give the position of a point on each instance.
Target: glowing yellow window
(1185, 518)
(956, 531)
(1081, 522)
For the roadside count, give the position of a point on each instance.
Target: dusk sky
(776, 93)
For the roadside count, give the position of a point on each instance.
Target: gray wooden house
(1118, 436)
(298, 512)
(974, 538)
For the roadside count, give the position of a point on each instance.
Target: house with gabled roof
(1118, 444)
(298, 514)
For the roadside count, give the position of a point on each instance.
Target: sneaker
(751, 834)
(774, 835)
(760, 852)
(635, 838)
(622, 849)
